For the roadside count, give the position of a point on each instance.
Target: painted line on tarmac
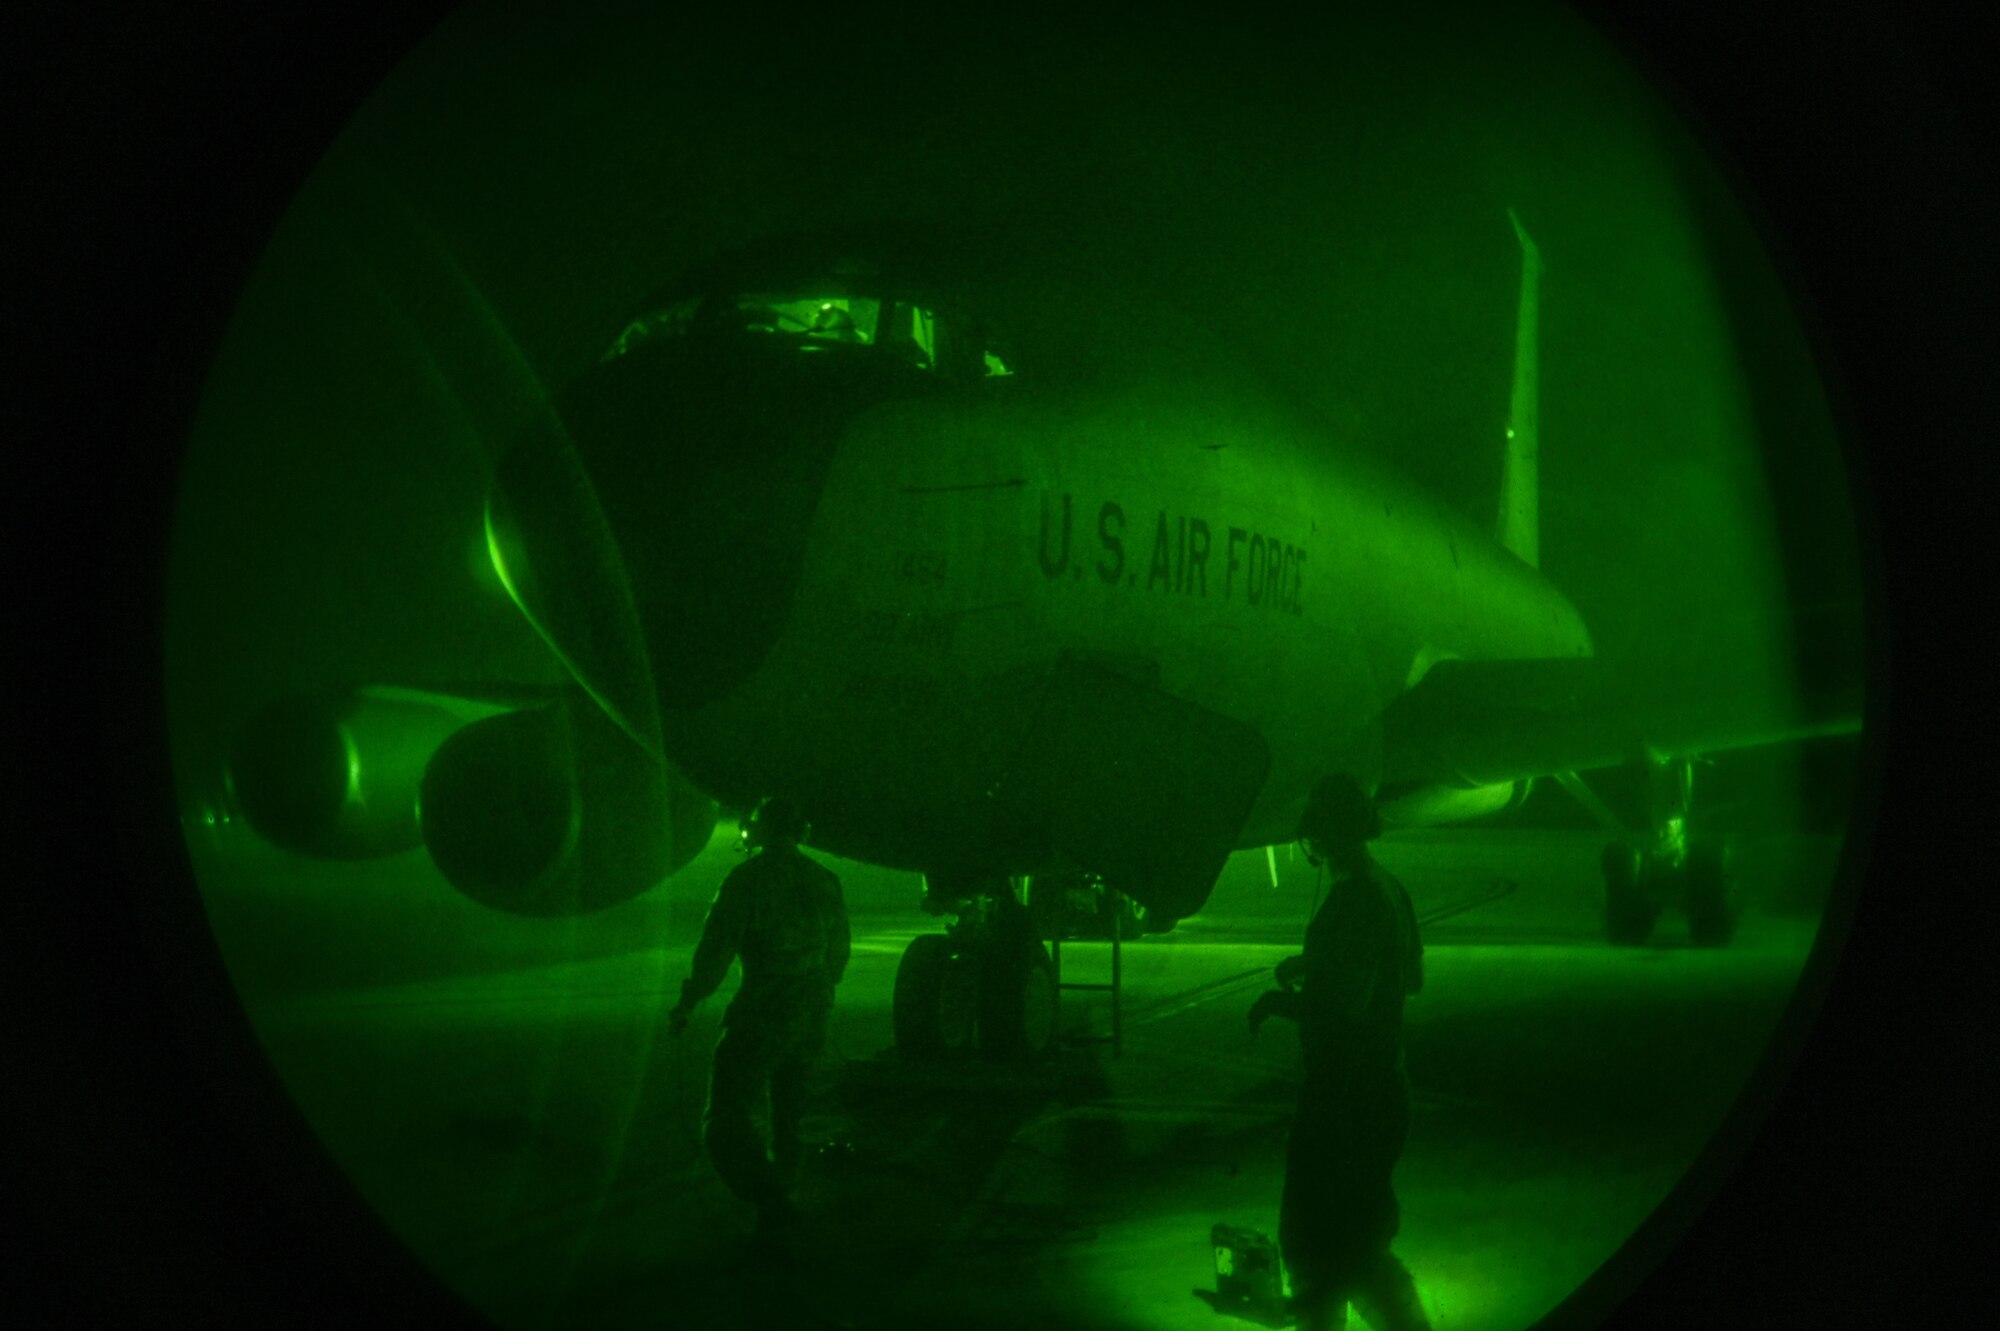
(1503, 887)
(1161, 1009)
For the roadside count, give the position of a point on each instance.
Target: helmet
(774, 819)
(1339, 813)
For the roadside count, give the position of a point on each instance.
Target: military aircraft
(998, 584)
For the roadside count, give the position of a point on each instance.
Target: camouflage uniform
(1362, 957)
(782, 913)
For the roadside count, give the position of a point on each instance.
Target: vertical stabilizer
(1519, 524)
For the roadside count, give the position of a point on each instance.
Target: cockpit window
(914, 333)
(814, 320)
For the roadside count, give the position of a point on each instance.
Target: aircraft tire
(1628, 914)
(1711, 914)
(1017, 1005)
(936, 1005)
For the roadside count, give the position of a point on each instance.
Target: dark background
(161, 1175)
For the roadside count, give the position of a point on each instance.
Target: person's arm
(1274, 1003)
(721, 938)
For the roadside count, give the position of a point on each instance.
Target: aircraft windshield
(913, 333)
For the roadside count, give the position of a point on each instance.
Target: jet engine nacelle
(334, 774)
(554, 810)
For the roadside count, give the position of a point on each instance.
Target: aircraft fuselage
(961, 546)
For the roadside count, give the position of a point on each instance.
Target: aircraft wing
(1483, 723)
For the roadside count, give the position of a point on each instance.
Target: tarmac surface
(506, 1095)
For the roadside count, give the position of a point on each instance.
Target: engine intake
(554, 810)
(334, 774)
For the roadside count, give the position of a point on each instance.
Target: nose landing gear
(936, 1006)
(1637, 885)
(986, 983)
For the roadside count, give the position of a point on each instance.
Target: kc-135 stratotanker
(997, 584)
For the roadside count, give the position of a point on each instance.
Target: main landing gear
(1638, 884)
(986, 983)
(1668, 868)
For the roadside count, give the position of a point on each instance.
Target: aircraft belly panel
(1129, 782)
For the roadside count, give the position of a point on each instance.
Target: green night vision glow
(1195, 457)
